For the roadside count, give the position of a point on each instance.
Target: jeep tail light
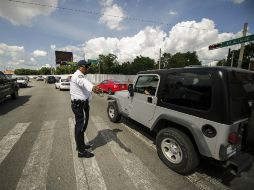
(233, 138)
(115, 86)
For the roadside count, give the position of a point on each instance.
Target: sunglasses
(86, 66)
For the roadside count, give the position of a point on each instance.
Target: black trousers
(81, 112)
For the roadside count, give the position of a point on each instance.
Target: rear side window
(188, 89)
(242, 93)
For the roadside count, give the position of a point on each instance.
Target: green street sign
(92, 61)
(232, 42)
(238, 41)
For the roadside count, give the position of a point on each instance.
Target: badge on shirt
(81, 76)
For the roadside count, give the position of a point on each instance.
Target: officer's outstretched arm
(96, 89)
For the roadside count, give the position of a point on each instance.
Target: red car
(111, 86)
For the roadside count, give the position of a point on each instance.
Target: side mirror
(130, 89)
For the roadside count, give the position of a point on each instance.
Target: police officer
(81, 93)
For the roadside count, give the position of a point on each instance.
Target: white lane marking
(9, 140)
(199, 180)
(88, 173)
(140, 175)
(34, 174)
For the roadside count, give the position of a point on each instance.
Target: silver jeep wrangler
(194, 112)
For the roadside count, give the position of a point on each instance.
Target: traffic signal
(215, 46)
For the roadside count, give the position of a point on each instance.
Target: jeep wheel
(113, 113)
(176, 150)
(15, 95)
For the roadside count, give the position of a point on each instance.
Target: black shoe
(85, 154)
(87, 146)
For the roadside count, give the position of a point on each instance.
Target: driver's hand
(96, 89)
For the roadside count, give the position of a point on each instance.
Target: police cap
(83, 63)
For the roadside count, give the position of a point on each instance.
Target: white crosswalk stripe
(87, 172)
(8, 141)
(140, 175)
(34, 174)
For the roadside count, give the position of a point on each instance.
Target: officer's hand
(96, 89)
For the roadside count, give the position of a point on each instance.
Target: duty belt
(79, 103)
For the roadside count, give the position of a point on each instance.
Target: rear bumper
(240, 162)
(65, 87)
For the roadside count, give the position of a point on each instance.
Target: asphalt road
(37, 150)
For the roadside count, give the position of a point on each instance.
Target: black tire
(189, 157)
(60, 88)
(110, 91)
(15, 94)
(113, 113)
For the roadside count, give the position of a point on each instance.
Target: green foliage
(179, 60)
(65, 69)
(108, 64)
(25, 72)
(45, 71)
(141, 63)
(248, 52)
(222, 62)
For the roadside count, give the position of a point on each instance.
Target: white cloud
(147, 43)
(13, 57)
(32, 60)
(12, 51)
(22, 14)
(107, 2)
(39, 53)
(112, 15)
(171, 12)
(183, 37)
(238, 1)
(196, 36)
(53, 47)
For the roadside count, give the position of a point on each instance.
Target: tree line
(109, 64)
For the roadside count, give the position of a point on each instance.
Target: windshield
(242, 94)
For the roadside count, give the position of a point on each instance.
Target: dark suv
(50, 79)
(197, 111)
(8, 87)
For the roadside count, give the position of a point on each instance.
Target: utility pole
(229, 51)
(160, 60)
(232, 58)
(240, 60)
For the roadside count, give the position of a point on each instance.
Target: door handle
(150, 99)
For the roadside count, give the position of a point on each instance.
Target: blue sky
(31, 33)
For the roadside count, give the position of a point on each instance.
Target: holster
(81, 104)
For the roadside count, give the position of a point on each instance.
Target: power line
(92, 12)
